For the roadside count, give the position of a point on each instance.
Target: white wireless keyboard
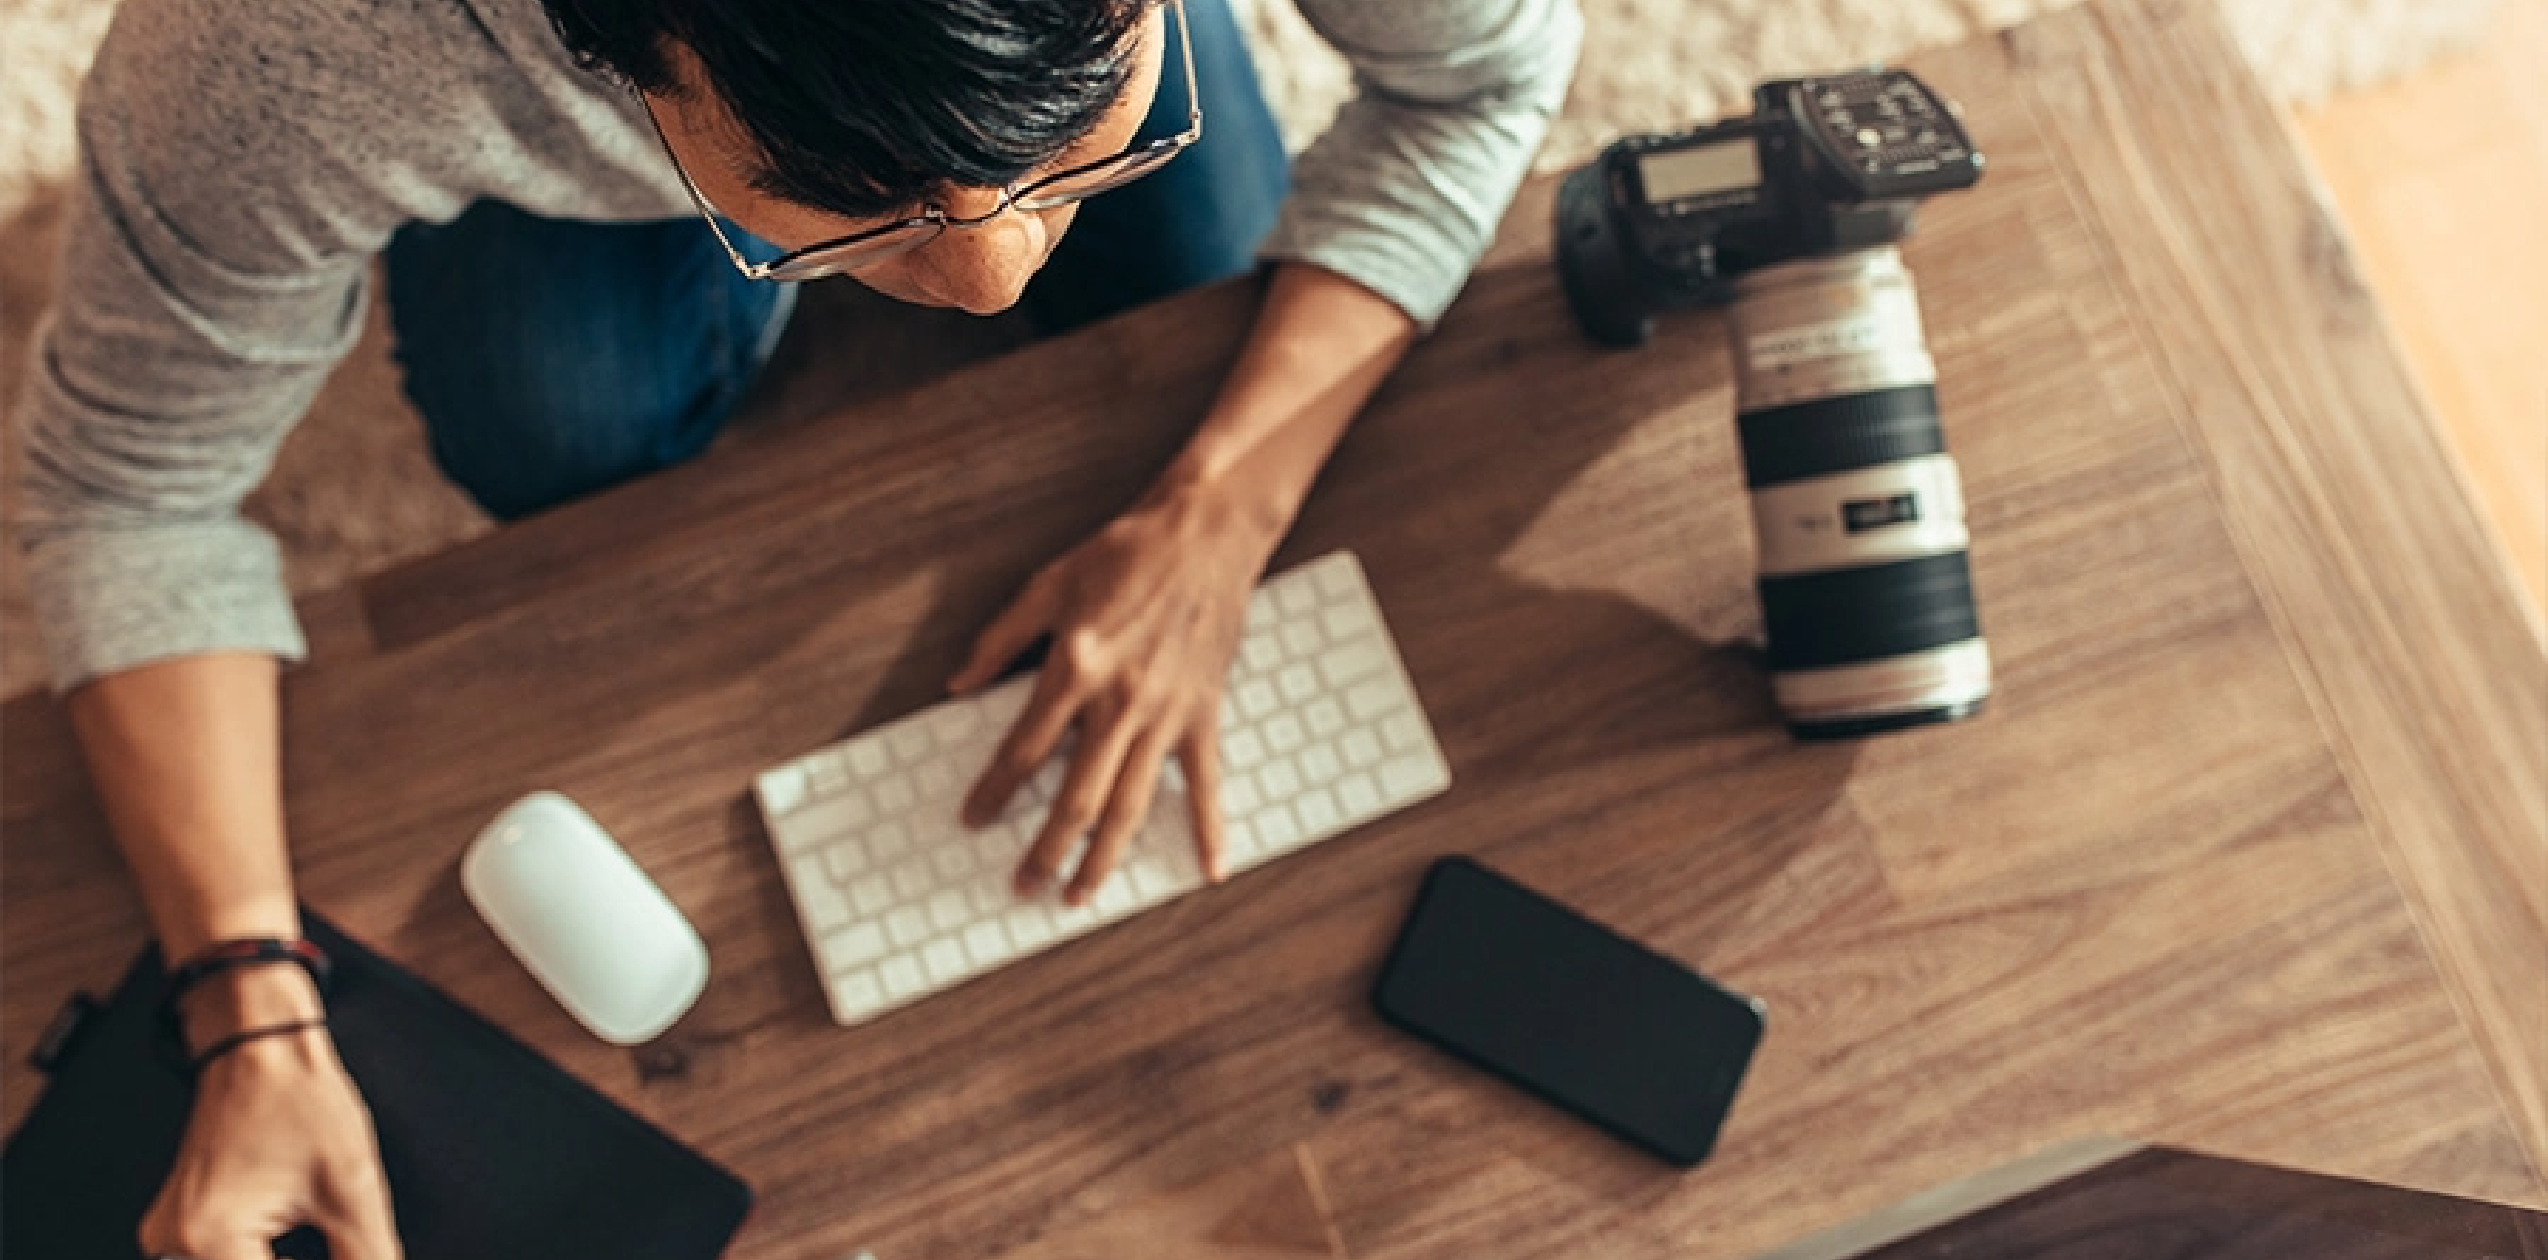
(1320, 732)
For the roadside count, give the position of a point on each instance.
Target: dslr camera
(1789, 218)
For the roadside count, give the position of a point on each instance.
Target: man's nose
(984, 268)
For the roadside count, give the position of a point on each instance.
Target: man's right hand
(279, 1138)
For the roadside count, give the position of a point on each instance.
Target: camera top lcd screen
(1699, 172)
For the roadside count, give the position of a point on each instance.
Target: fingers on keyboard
(1318, 731)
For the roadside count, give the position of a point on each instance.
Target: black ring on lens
(1837, 435)
(1850, 616)
(1859, 727)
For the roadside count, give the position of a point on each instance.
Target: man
(537, 181)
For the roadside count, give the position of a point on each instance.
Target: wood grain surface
(2266, 745)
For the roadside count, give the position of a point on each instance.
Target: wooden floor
(2442, 181)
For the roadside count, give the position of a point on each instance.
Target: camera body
(1821, 166)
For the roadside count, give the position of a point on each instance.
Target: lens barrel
(1865, 582)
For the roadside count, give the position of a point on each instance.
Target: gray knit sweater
(242, 162)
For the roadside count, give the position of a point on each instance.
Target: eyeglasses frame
(1015, 196)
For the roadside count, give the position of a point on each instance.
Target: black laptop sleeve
(492, 1152)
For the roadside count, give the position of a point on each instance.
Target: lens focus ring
(1825, 619)
(1843, 434)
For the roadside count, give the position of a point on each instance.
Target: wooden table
(2245, 856)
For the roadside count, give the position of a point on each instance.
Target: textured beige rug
(353, 490)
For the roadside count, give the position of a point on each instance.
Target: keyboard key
(1297, 683)
(1113, 897)
(1361, 748)
(999, 708)
(1325, 717)
(943, 959)
(1029, 927)
(1150, 880)
(947, 910)
(902, 977)
(818, 820)
(1402, 731)
(1285, 733)
(1318, 812)
(953, 861)
(1279, 781)
(845, 860)
(783, 790)
(826, 775)
(1244, 749)
(1238, 795)
(1352, 663)
(1260, 655)
(1370, 699)
(853, 947)
(996, 845)
(1337, 576)
(1276, 828)
(866, 760)
(1345, 621)
(889, 841)
(1295, 598)
(1241, 839)
(911, 879)
(1257, 699)
(1319, 763)
(987, 898)
(936, 781)
(1300, 638)
(1407, 775)
(909, 743)
(894, 797)
(905, 926)
(988, 945)
(1358, 794)
(869, 896)
(857, 995)
(824, 909)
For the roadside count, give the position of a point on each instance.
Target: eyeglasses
(875, 245)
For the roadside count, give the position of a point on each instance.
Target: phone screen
(1622, 1036)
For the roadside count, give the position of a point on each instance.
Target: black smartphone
(1628, 1039)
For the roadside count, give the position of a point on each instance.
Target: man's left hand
(1144, 620)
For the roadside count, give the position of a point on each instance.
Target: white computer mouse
(596, 933)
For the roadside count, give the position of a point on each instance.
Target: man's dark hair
(864, 107)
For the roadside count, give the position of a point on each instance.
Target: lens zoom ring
(1855, 615)
(1843, 434)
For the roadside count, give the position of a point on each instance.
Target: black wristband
(221, 956)
(238, 1039)
(251, 951)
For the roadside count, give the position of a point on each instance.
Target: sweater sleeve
(1403, 192)
(198, 316)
